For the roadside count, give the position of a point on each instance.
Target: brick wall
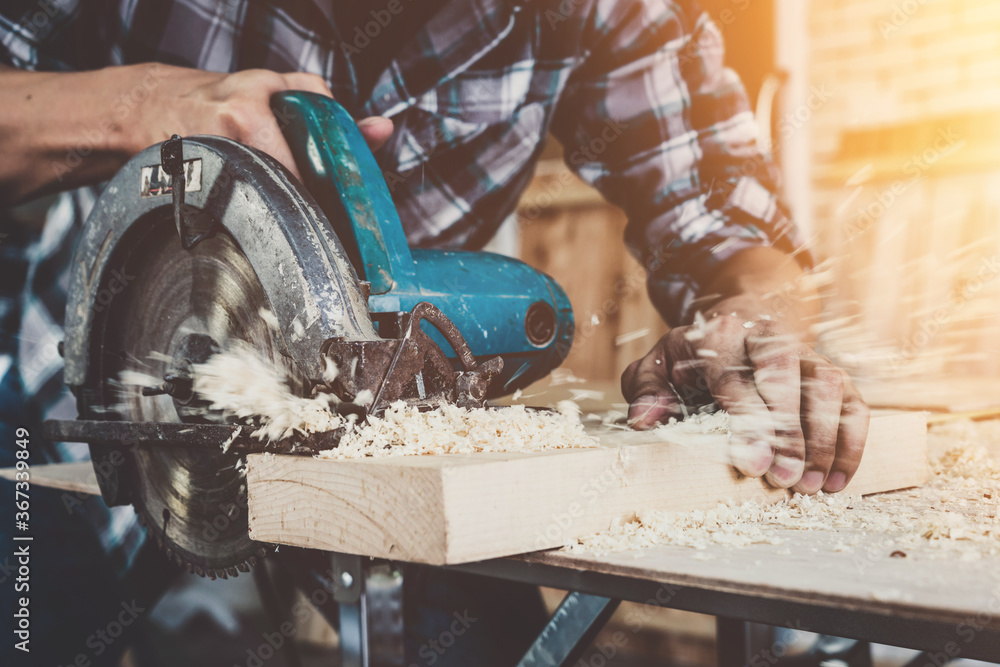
(904, 125)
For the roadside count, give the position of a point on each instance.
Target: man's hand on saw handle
(62, 130)
(795, 417)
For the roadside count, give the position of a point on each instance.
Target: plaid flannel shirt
(635, 90)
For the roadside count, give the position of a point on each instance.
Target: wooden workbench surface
(459, 508)
(944, 580)
(807, 569)
(811, 567)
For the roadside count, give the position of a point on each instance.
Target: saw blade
(193, 501)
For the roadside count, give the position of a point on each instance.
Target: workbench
(947, 607)
(935, 606)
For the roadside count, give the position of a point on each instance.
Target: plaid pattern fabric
(635, 90)
(34, 272)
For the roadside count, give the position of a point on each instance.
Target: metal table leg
(570, 631)
(362, 599)
(370, 598)
(732, 641)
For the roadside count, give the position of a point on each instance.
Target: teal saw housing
(500, 305)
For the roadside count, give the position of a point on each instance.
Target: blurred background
(885, 118)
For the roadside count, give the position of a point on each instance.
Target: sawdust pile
(405, 431)
(955, 515)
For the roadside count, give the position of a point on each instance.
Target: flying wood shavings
(954, 516)
(697, 329)
(405, 431)
(137, 379)
(241, 384)
(269, 319)
(568, 409)
(577, 395)
(563, 376)
(364, 397)
(330, 370)
(231, 439)
(631, 336)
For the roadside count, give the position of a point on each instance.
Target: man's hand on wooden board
(796, 418)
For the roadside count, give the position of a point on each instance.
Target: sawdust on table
(239, 383)
(449, 429)
(955, 515)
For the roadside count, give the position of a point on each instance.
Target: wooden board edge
(299, 523)
(74, 477)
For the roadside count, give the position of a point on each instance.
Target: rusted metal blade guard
(411, 368)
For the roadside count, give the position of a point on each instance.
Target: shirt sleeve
(653, 119)
(56, 35)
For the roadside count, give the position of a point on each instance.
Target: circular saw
(201, 243)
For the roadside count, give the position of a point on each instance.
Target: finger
(647, 412)
(854, 420)
(308, 82)
(646, 385)
(376, 130)
(266, 136)
(650, 375)
(731, 382)
(822, 398)
(775, 361)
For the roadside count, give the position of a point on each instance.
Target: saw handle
(340, 172)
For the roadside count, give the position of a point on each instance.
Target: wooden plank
(462, 508)
(75, 477)
(955, 394)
